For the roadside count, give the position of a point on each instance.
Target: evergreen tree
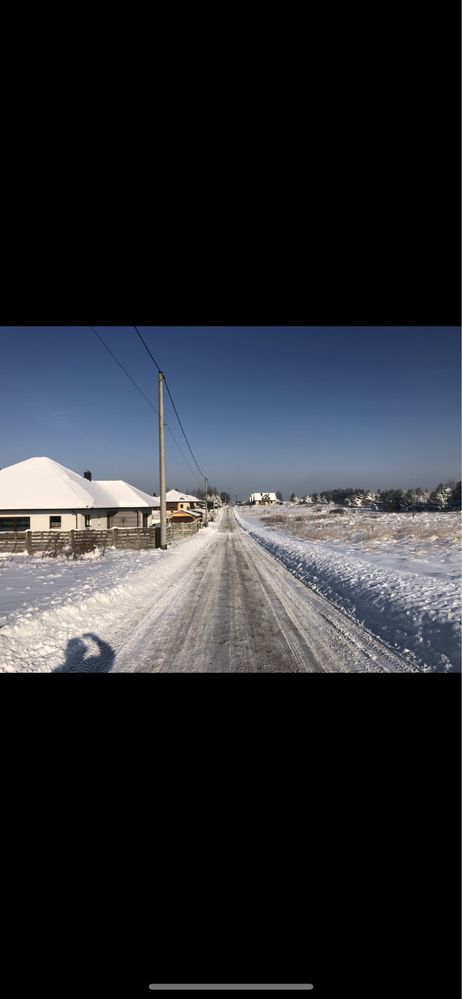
(439, 497)
(455, 500)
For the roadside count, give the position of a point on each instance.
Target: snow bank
(412, 611)
(47, 604)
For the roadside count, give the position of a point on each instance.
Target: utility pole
(163, 501)
(206, 521)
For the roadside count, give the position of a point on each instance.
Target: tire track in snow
(355, 648)
(237, 609)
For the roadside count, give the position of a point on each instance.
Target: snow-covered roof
(119, 493)
(44, 484)
(173, 496)
(257, 497)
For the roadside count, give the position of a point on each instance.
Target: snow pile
(413, 605)
(46, 605)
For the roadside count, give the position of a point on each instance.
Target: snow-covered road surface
(215, 603)
(238, 611)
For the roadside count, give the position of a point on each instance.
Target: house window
(14, 524)
(55, 522)
(87, 520)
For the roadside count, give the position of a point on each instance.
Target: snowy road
(237, 610)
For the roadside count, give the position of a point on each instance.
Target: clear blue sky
(297, 409)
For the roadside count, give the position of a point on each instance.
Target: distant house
(41, 495)
(179, 501)
(263, 499)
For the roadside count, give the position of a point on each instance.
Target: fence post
(29, 542)
(72, 537)
(115, 537)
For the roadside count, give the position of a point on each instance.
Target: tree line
(212, 491)
(446, 496)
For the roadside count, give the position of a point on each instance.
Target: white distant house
(40, 495)
(263, 499)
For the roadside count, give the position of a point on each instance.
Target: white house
(263, 499)
(41, 495)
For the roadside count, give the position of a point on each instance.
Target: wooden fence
(169, 534)
(180, 528)
(79, 542)
(14, 542)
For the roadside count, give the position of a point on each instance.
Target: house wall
(123, 518)
(40, 521)
(98, 520)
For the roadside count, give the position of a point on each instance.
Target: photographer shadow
(78, 661)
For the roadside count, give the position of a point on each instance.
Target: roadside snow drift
(49, 605)
(410, 605)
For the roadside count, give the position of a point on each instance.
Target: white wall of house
(98, 520)
(41, 521)
(74, 521)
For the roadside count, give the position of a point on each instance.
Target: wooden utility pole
(206, 520)
(163, 494)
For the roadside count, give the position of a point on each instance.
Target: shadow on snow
(77, 658)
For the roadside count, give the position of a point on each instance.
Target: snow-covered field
(398, 574)
(47, 605)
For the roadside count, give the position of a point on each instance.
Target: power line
(173, 404)
(147, 348)
(183, 431)
(123, 369)
(142, 393)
